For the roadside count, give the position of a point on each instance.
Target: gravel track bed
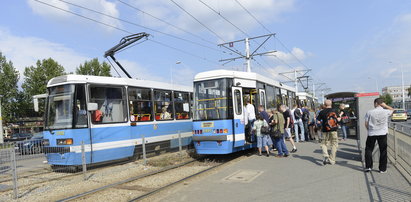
(62, 188)
(131, 190)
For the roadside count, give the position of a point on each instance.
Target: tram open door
(238, 121)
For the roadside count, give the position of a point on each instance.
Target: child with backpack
(329, 119)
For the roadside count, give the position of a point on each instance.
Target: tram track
(40, 175)
(147, 191)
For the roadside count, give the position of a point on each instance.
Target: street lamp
(402, 84)
(376, 83)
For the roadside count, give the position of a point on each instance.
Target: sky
(357, 46)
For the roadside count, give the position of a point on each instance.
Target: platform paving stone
(300, 177)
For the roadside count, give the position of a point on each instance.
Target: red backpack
(332, 121)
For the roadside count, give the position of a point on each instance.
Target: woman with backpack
(261, 130)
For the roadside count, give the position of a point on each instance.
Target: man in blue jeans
(297, 114)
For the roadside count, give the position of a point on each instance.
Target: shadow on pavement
(309, 158)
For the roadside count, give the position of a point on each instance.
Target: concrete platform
(300, 177)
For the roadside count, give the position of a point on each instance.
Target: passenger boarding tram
(111, 115)
(219, 101)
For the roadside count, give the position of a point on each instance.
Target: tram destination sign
(207, 124)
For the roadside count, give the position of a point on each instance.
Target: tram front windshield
(212, 100)
(63, 103)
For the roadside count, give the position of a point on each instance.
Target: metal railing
(399, 147)
(24, 163)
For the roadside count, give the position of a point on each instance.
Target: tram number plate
(207, 124)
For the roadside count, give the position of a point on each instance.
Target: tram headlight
(68, 141)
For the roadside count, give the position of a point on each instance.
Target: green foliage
(36, 78)
(387, 98)
(94, 67)
(409, 91)
(9, 77)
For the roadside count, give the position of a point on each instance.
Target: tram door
(263, 101)
(238, 121)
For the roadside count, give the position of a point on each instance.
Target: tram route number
(207, 124)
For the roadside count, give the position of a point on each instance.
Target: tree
(387, 98)
(409, 91)
(36, 78)
(94, 67)
(9, 77)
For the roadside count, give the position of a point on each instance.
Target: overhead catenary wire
(281, 43)
(120, 29)
(165, 22)
(138, 25)
(188, 13)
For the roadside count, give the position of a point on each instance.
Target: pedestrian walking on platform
(329, 119)
(305, 118)
(344, 120)
(277, 124)
(376, 122)
(287, 126)
(297, 115)
(311, 124)
(319, 124)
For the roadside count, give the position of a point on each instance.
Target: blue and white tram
(306, 99)
(111, 115)
(219, 99)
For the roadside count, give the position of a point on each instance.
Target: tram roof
(303, 95)
(72, 78)
(222, 73)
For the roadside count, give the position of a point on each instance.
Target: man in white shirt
(250, 112)
(250, 118)
(376, 122)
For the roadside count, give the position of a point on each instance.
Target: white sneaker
(367, 170)
(383, 171)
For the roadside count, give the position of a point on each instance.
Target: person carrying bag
(277, 133)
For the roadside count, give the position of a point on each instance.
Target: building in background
(396, 94)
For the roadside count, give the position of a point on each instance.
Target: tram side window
(141, 106)
(271, 99)
(182, 105)
(80, 112)
(163, 105)
(111, 104)
(237, 98)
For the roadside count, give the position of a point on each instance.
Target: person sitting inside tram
(165, 114)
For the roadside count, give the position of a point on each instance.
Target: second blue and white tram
(219, 99)
(110, 116)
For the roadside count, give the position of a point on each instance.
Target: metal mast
(248, 56)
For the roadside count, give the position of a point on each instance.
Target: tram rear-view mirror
(92, 106)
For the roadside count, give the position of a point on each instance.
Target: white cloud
(266, 11)
(45, 10)
(25, 51)
(102, 6)
(287, 57)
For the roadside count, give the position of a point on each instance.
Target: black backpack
(306, 115)
(297, 114)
